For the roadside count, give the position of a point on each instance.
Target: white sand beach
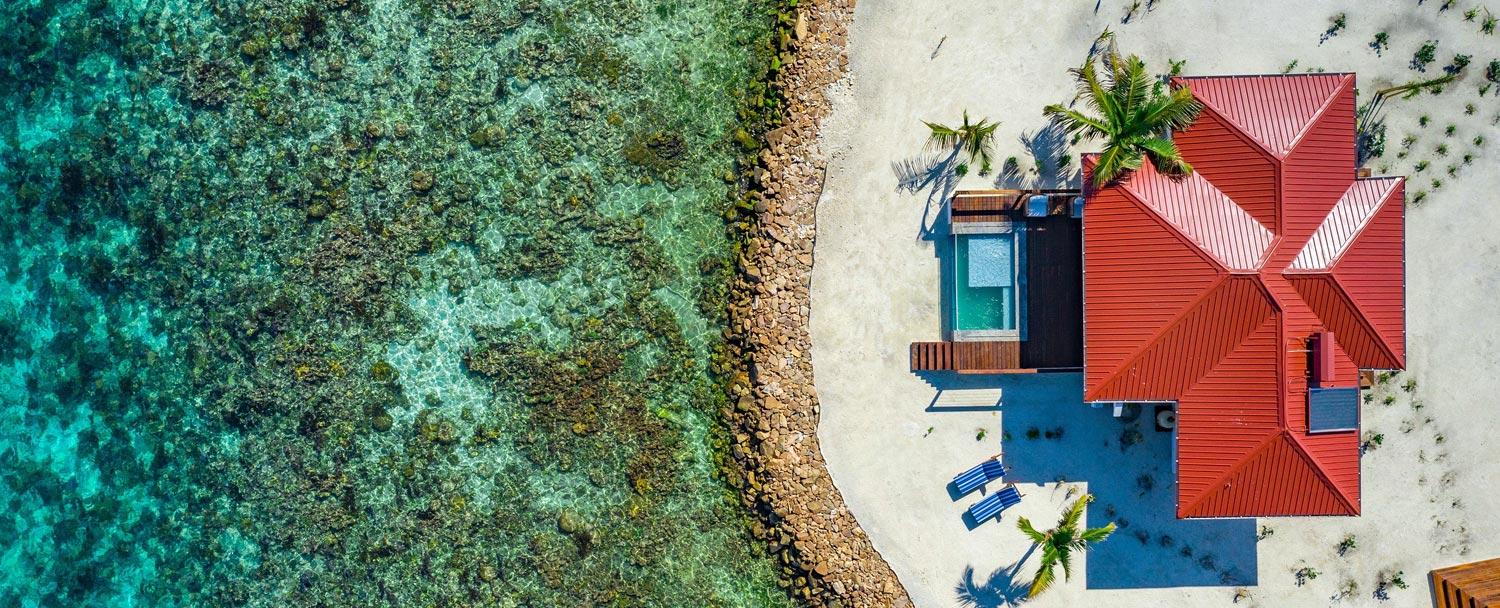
(1431, 490)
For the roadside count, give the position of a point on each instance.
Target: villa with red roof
(1247, 298)
(1251, 294)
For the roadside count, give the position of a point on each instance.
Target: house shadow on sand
(1049, 435)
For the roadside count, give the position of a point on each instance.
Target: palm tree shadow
(1000, 589)
(933, 172)
(1048, 149)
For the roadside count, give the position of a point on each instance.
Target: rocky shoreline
(827, 560)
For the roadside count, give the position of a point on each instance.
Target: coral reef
(346, 302)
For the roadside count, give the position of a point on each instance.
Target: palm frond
(1074, 514)
(1094, 535)
(1026, 528)
(1112, 163)
(1165, 156)
(1043, 580)
(1174, 111)
(1077, 123)
(1065, 559)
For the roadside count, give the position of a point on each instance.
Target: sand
(892, 441)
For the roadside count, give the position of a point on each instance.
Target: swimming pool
(986, 281)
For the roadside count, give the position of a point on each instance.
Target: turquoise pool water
(370, 303)
(985, 282)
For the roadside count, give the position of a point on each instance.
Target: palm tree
(1132, 113)
(973, 140)
(1058, 544)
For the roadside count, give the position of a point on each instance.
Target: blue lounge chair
(972, 479)
(994, 504)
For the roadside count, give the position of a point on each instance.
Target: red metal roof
(1204, 291)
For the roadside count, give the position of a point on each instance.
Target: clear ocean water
(370, 302)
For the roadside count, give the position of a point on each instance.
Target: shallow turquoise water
(365, 302)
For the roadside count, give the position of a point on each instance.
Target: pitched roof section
(1345, 222)
(1205, 297)
(1203, 214)
(1272, 110)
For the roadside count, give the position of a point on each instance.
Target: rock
(422, 181)
(382, 422)
(568, 522)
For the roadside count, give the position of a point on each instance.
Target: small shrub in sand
(1450, 130)
(1460, 61)
(1346, 545)
(1424, 56)
(1381, 42)
(1385, 581)
(1336, 24)
(1265, 533)
(1488, 25)
(1304, 574)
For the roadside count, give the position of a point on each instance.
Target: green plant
(1347, 544)
(1479, 140)
(1423, 120)
(1452, 170)
(1132, 113)
(1441, 149)
(1437, 184)
(1492, 71)
(1447, 4)
(1421, 166)
(973, 140)
(1389, 399)
(1265, 533)
(1336, 24)
(979, 434)
(1469, 109)
(1304, 574)
(1418, 196)
(929, 432)
(1425, 55)
(1468, 158)
(1059, 543)
(1287, 69)
(1450, 130)
(1381, 42)
(1488, 25)
(1460, 61)
(1470, 14)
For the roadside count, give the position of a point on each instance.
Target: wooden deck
(1054, 306)
(1475, 585)
(980, 357)
(1054, 293)
(999, 205)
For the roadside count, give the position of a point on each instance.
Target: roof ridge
(1238, 130)
(1229, 470)
(1317, 467)
(1385, 199)
(1156, 336)
(1270, 440)
(1362, 318)
(1136, 199)
(1322, 111)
